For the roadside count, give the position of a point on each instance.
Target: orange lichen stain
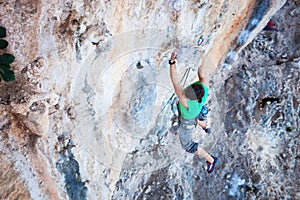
(224, 41)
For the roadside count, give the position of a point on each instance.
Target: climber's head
(194, 92)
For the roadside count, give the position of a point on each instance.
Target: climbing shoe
(207, 130)
(211, 166)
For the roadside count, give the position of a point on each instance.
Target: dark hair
(194, 92)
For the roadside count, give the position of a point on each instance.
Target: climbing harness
(203, 113)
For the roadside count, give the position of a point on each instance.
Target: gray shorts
(186, 128)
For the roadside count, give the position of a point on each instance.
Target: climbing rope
(188, 71)
(172, 99)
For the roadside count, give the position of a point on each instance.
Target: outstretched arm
(201, 77)
(175, 81)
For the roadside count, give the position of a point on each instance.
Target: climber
(270, 27)
(191, 100)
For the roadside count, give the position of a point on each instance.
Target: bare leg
(203, 154)
(201, 123)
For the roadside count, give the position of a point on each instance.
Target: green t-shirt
(194, 107)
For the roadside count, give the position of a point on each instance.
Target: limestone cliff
(88, 115)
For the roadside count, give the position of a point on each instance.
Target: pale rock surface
(87, 117)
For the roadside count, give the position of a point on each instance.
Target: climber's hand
(173, 56)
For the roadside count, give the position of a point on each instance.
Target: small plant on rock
(5, 59)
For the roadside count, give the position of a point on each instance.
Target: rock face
(89, 114)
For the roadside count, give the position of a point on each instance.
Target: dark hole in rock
(139, 65)
(289, 129)
(268, 100)
(255, 178)
(252, 189)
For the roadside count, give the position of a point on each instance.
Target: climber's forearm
(202, 79)
(175, 80)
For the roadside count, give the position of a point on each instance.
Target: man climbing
(191, 101)
(270, 27)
